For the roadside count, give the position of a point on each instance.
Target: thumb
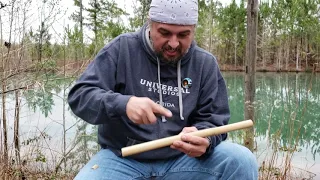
(158, 109)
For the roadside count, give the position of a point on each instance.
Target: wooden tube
(151, 145)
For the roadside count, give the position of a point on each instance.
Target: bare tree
(78, 18)
(251, 56)
(3, 68)
(17, 68)
(16, 127)
(48, 13)
(81, 28)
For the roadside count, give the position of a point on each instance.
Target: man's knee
(238, 159)
(236, 152)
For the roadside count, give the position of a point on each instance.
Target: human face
(171, 42)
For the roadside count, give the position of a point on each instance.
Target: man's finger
(183, 146)
(189, 149)
(195, 140)
(151, 117)
(188, 130)
(158, 109)
(145, 120)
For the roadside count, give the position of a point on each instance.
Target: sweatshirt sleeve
(213, 107)
(93, 97)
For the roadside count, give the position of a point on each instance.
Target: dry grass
(24, 173)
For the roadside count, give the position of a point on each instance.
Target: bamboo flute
(155, 144)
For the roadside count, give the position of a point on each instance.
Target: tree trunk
(280, 56)
(210, 34)
(143, 12)
(95, 28)
(4, 87)
(251, 56)
(16, 128)
(318, 59)
(263, 48)
(40, 43)
(306, 52)
(4, 123)
(82, 53)
(297, 55)
(287, 53)
(235, 48)
(211, 19)
(63, 109)
(1, 77)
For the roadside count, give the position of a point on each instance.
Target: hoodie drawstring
(163, 118)
(179, 88)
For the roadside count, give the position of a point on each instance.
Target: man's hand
(142, 110)
(194, 146)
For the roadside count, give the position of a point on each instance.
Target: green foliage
(57, 51)
(36, 139)
(41, 96)
(206, 27)
(41, 99)
(74, 38)
(48, 65)
(221, 29)
(103, 15)
(141, 14)
(40, 157)
(41, 40)
(86, 143)
(231, 20)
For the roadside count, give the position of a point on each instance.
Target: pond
(286, 114)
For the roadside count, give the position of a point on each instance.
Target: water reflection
(287, 110)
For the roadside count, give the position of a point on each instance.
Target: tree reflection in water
(287, 113)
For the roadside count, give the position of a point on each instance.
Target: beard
(169, 60)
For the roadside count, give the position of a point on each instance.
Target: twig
(11, 90)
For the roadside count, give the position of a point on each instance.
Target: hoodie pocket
(131, 141)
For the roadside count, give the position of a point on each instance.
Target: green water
(287, 114)
(287, 117)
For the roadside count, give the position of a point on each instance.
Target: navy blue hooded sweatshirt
(127, 67)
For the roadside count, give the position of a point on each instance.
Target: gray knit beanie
(180, 12)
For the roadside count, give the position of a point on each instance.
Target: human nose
(173, 42)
